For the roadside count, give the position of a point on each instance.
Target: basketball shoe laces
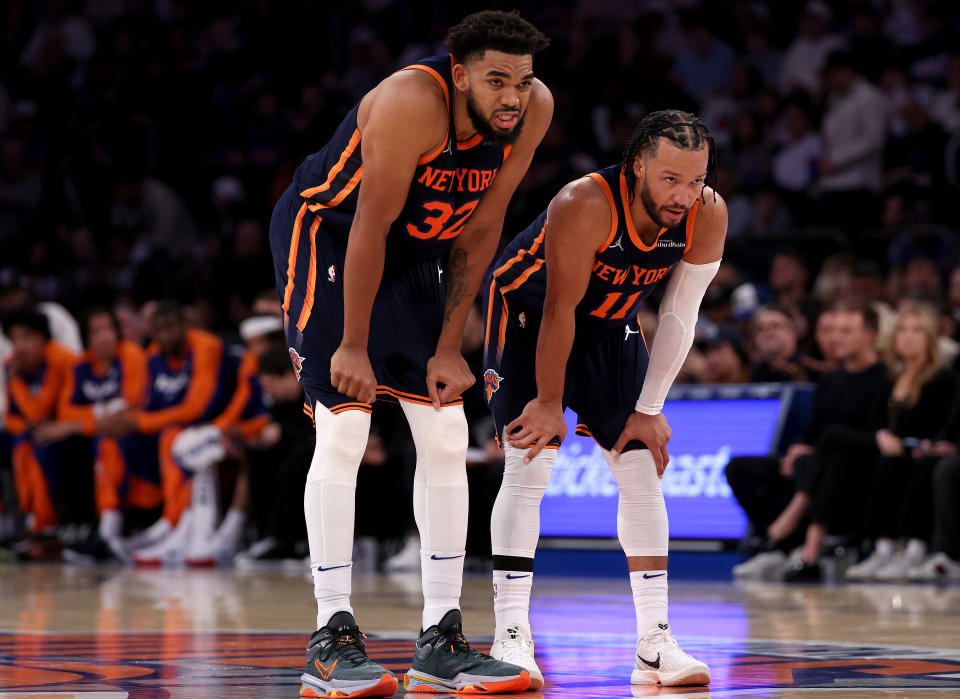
(454, 636)
(516, 647)
(348, 642)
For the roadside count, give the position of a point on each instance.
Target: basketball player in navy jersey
(562, 331)
(379, 247)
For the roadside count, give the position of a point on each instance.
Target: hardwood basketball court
(116, 632)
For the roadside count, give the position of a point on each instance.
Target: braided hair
(682, 129)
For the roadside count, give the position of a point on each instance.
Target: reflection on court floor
(115, 633)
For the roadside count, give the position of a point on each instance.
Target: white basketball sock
(649, 598)
(328, 505)
(511, 600)
(442, 575)
(331, 587)
(440, 503)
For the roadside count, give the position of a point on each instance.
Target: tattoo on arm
(457, 272)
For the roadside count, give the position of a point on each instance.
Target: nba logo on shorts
(523, 319)
(331, 274)
(297, 361)
(491, 382)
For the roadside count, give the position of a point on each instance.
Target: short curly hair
(494, 30)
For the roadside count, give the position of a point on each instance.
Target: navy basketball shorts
(405, 321)
(605, 371)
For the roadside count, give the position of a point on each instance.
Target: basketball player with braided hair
(562, 331)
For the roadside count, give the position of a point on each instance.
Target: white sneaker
(219, 545)
(760, 565)
(896, 568)
(171, 549)
(408, 558)
(660, 661)
(937, 568)
(868, 567)
(148, 537)
(517, 648)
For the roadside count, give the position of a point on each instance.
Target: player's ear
(461, 78)
(638, 169)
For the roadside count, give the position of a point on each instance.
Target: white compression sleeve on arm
(675, 328)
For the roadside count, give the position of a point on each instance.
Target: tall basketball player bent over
(379, 247)
(562, 331)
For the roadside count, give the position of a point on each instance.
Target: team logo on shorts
(523, 319)
(331, 274)
(297, 362)
(491, 382)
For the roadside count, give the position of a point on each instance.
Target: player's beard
(489, 132)
(653, 211)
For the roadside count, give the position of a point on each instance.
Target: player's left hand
(537, 425)
(653, 431)
(450, 369)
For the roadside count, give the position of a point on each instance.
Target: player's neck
(646, 227)
(461, 118)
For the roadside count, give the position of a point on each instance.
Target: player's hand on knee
(452, 371)
(537, 425)
(352, 375)
(653, 431)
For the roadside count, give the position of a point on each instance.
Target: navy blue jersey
(625, 270)
(446, 188)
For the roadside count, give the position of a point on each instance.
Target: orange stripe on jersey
(446, 100)
(344, 193)
(691, 223)
(437, 77)
(631, 230)
(502, 334)
(336, 169)
(527, 273)
(413, 397)
(311, 277)
(614, 219)
(474, 140)
(490, 301)
(292, 259)
(519, 256)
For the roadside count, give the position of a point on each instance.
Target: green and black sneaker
(445, 662)
(338, 666)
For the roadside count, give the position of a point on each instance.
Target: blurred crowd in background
(143, 143)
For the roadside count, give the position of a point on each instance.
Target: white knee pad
(440, 497)
(515, 522)
(328, 499)
(641, 513)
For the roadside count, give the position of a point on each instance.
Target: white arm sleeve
(675, 329)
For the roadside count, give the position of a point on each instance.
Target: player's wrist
(646, 408)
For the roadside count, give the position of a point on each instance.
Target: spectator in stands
(853, 133)
(845, 450)
(776, 493)
(794, 167)
(37, 370)
(788, 277)
(774, 348)
(706, 65)
(807, 54)
(901, 498)
(724, 359)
